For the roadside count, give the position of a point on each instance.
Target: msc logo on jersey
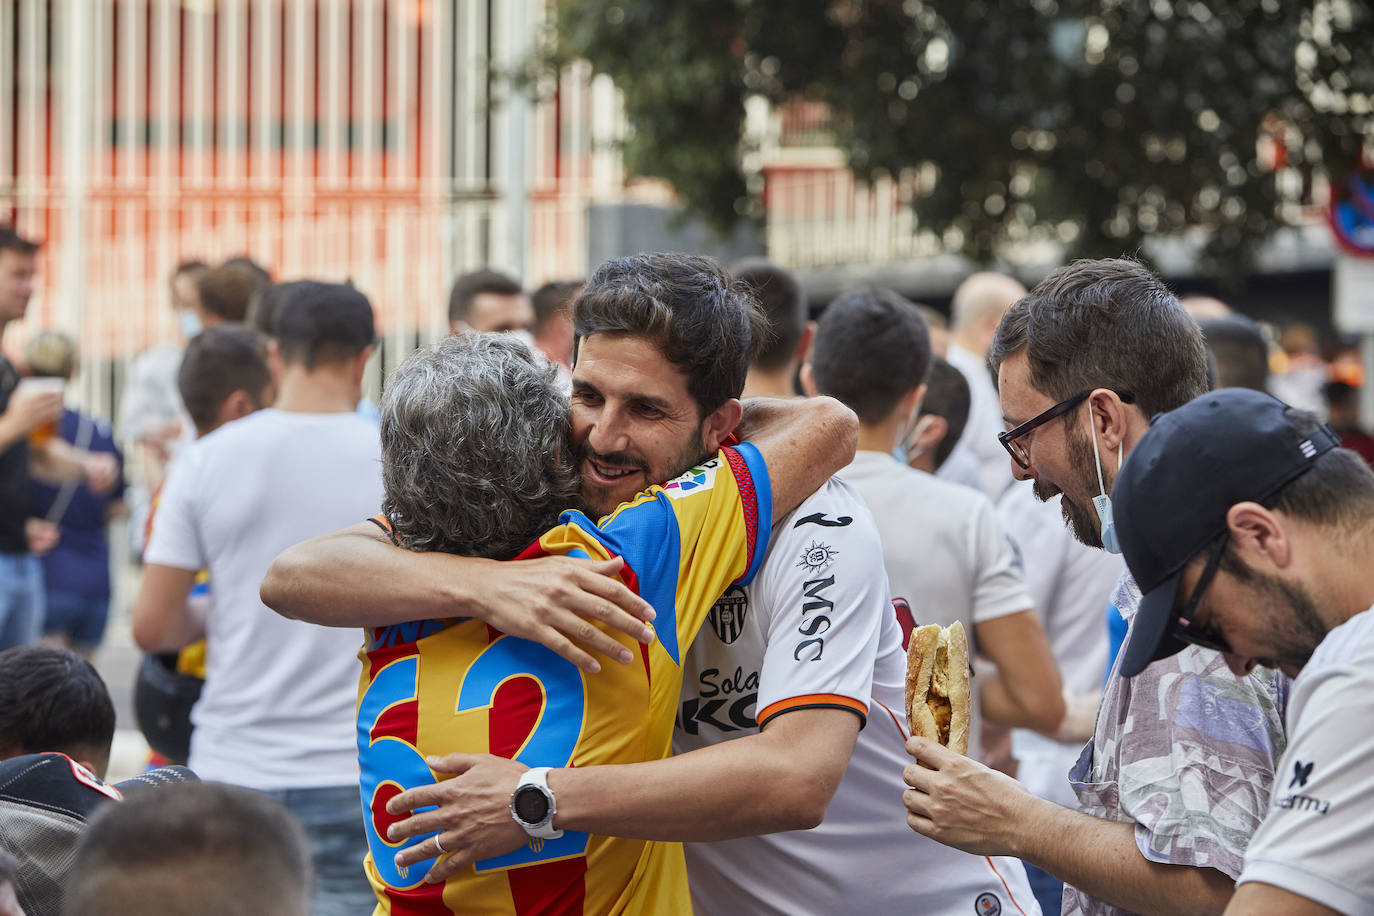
(987, 905)
(817, 557)
(704, 475)
(727, 616)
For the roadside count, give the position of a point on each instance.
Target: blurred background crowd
(164, 163)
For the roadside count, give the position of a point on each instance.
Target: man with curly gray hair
(475, 452)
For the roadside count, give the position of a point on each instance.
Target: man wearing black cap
(277, 710)
(1176, 778)
(1251, 532)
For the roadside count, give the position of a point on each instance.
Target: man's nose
(1021, 473)
(1240, 665)
(608, 432)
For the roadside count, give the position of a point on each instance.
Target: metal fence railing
(362, 139)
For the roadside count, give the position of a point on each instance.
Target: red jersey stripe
(551, 889)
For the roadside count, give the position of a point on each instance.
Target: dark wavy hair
(705, 323)
(1106, 324)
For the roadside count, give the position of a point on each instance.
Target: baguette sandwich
(937, 689)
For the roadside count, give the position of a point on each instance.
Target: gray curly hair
(476, 458)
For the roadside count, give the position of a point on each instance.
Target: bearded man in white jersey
(768, 736)
(1250, 532)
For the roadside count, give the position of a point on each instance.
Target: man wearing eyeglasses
(1176, 778)
(1249, 531)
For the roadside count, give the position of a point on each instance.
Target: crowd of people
(604, 608)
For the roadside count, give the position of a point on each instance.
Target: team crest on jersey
(687, 483)
(727, 616)
(987, 905)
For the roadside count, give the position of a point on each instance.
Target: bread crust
(921, 674)
(920, 667)
(959, 699)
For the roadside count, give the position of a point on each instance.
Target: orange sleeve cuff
(813, 701)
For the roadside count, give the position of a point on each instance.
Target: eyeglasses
(1018, 452)
(1183, 627)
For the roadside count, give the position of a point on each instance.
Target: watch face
(531, 805)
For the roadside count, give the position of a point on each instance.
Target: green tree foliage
(1096, 122)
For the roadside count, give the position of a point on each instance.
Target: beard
(1082, 521)
(1299, 632)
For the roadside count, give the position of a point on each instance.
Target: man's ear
(808, 380)
(720, 423)
(1111, 418)
(236, 406)
(926, 436)
(1258, 536)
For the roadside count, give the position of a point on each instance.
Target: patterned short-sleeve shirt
(1186, 751)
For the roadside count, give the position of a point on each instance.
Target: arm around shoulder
(803, 442)
(356, 577)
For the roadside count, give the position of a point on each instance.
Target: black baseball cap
(1172, 495)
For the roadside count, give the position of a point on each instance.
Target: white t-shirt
(945, 551)
(765, 651)
(984, 421)
(277, 711)
(1317, 838)
(962, 466)
(1071, 585)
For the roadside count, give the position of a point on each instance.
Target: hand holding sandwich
(961, 803)
(953, 800)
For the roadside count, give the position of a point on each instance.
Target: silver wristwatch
(532, 804)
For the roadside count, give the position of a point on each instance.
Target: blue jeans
(334, 826)
(81, 619)
(21, 599)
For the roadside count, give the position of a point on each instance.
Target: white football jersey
(817, 629)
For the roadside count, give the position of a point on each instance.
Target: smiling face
(1060, 452)
(633, 423)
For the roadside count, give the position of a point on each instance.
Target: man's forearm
(1025, 691)
(747, 786)
(57, 462)
(162, 621)
(1002, 706)
(1101, 859)
(356, 578)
